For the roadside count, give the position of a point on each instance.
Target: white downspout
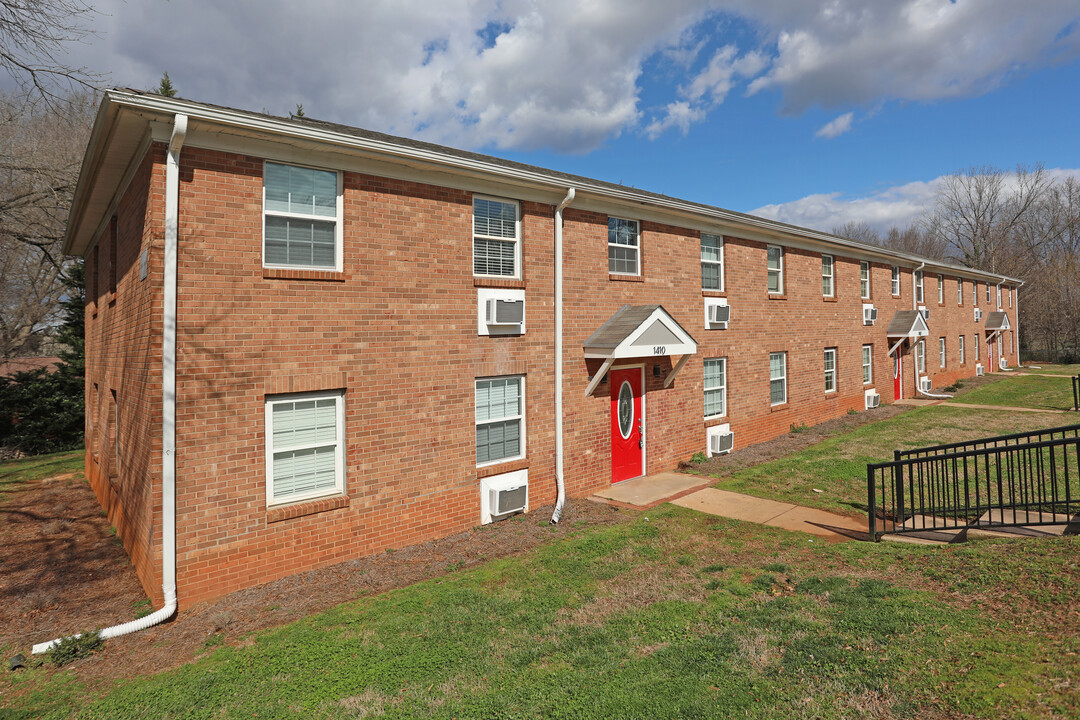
(168, 396)
(561, 499)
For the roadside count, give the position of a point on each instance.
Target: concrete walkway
(693, 492)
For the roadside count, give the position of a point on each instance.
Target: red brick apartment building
(308, 342)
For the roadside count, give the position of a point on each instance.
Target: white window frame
(960, 291)
(778, 270)
(975, 293)
(722, 388)
(988, 294)
(920, 356)
(941, 352)
(960, 347)
(521, 417)
(896, 280)
(999, 297)
(941, 289)
(718, 263)
(829, 277)
(1009, 291)
(782, 378)
(830, 374)
(867, 364)
(516, 239)
(339, 446)
(337, 219)
(864, 279)
(919, 296)
(636, 246)
(978, 354)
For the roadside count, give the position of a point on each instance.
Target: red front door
(898, 374)
(627, 443)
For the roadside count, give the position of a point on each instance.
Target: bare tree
(41, 150)
(33, 34)
(858, 231)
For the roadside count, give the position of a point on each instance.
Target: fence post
(1076, 392)
(898, 489)
(871, 492)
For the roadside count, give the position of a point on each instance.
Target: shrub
(698, 457)
(74, 648)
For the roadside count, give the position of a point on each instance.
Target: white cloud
(562, 74)
(838, 126)
(898, 206)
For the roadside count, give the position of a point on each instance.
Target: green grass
(15, 472)
(837, 465)
(1050, 369)
(609, 623)
(1032, 392)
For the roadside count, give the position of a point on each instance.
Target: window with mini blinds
(715, 387)
(496, 238)
(302, 217)
(304, 448)
(500, 419)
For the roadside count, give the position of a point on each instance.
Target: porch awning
(907, 323)
(638, 331)
(997, 321)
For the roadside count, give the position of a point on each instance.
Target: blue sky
(810, 111)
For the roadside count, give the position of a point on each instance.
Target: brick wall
(395, 330)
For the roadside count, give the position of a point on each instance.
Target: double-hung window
(305, 451)
(776, 269)
(712, 262)
(827, 272)
(999, 297)
(830, 370)
(918, 286)
(778, 378)
(301, 217)
(975, 347)
(959, 291)
(867, 364)
(624, 247)
(496, 238)
(895, 280)
(500, 419)
(960, 349)
(1010, 292)
(864, 280)
(940, 290)
(920, 356)
(715, 387)
(941, 352)
(975, 292)
(988, 293)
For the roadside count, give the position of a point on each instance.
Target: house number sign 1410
(659, 350)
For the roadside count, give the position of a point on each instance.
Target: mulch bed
(63, 571)
(725, 465)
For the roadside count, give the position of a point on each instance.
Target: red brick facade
(396, 331)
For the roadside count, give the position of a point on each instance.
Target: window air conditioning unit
(869, 315)
(1003, 364)
(506, 500)
(505, 312)
(978, 314)
(925, 313)
(926, 384)
(720, 315)
(721, 443)
(873, 401)
(979, 370)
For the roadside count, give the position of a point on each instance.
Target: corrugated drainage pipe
(559, 482)
(168, 414)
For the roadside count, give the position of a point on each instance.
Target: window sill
(306, 507)
(112, 299)
(776, 296)
(291, 274)
(713, 293)
(502, 467)
(625, 278)
(829, 299)
(779, 407)
(715, 420)
(494, 282)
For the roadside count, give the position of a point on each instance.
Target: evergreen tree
(165, 87)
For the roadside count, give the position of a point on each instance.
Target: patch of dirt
(725, 465)
(62, 571)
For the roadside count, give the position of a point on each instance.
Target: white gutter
(559, 482)
(168, 409)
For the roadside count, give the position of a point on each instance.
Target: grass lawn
(837, 466)
(1033, 392)
(671, 614)
(13, 472)
(1050, 369)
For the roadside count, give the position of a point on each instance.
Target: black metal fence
(1076, 391)
(1028, 479)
